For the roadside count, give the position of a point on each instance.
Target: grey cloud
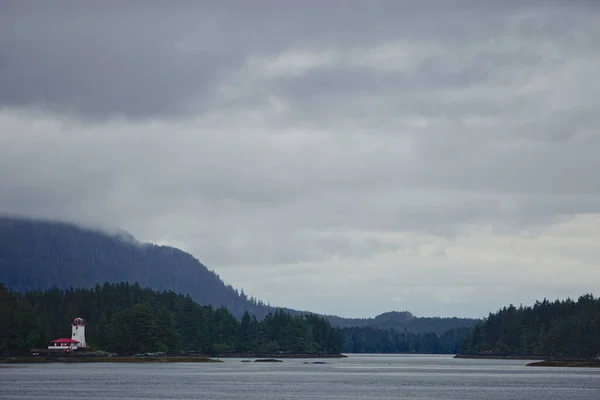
(370, 145)
(104, 61)
(148, 59)
(142, 78)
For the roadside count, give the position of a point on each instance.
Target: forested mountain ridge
(38, 255)
(562, 328)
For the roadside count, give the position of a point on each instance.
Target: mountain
(37, 254)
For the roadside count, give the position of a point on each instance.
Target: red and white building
(66, 344)
(76, 341)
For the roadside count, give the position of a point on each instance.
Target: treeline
(373, 340)
(550, 329)
(126, 318)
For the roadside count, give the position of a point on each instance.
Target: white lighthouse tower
(78, 332)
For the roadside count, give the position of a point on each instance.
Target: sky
(341, 157)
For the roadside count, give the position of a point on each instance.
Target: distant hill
(37, 254)
(404, 321)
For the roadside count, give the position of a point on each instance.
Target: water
(357, 377)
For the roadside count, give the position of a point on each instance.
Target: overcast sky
(440, 157)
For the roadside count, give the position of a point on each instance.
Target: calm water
(357, 377)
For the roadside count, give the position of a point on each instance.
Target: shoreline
(115, 359)
(568, 364)
(156, 359)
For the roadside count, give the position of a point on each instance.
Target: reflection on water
(356, 377)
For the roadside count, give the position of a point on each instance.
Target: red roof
(64, 340)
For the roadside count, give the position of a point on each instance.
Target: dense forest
(126, 319)
(374, 340)
(564, 328)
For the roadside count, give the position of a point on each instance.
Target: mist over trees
(210, 315)
(38, 255)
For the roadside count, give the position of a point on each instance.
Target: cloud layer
(345, 158)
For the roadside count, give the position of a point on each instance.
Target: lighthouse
(78, 332)
(76, 341)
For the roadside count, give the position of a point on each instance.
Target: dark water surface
(357, 377)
